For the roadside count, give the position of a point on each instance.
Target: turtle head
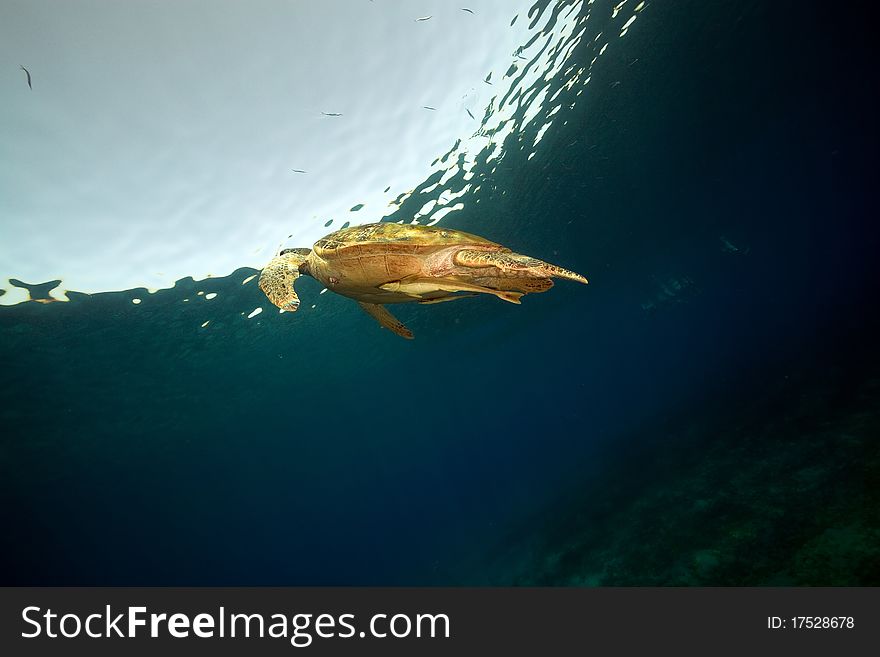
(278, 277)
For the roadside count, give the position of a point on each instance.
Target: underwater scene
(704, 411)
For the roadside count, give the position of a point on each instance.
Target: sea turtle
(378, 264)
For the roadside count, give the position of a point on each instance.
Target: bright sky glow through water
(160, 143)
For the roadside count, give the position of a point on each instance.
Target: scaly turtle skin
(378, 264)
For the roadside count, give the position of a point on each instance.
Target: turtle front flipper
(450, 298)
(277, 278)
(525, 285)
(418, 286)
(513, 265)
(386, 319)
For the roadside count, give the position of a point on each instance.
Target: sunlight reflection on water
(134, 171)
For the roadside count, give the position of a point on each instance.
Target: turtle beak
(277, 279)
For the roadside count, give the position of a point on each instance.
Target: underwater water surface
(705, 411)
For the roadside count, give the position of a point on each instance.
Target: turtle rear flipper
(278, 277)
(386, 319)
(513, 265)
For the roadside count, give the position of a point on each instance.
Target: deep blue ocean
(705, 411)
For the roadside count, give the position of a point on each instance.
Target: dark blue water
(716, 199)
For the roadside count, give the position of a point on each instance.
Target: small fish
(331, 114)
(28, 73)
(488, 77)
(634, 61)
(433, 109)
(470, 11)
(298, 171)
(615, 83)
(470, 115)
(423, 18)
(730, 247)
